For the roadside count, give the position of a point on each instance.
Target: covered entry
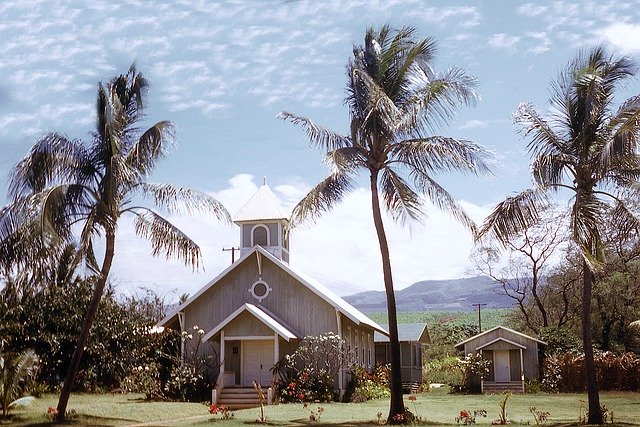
(249, 346)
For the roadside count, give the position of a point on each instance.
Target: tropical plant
(63, 186)
(16, 370)
(587, 149)
(395, 100)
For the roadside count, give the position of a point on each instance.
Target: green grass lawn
(434, 408)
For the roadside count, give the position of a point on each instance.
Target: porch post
(181, 321)
(276, 348)
(341, 370)
(222, 346)
(481, 377)
(522, 369)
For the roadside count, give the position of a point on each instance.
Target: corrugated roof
(263, 205)
(406, 332)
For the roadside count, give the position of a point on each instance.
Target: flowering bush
(369, 385)
(469, 369)
(189, 379)
(221, 409)
(307, 375)
(309, 387)
(143, 379)
(467, 417)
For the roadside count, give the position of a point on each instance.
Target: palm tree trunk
(595, 415)
(395, 380)
(96, 297)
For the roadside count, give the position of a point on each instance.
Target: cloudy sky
(222, 70)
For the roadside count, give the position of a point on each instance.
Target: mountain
(455, 294)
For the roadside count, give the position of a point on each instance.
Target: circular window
(260, 290)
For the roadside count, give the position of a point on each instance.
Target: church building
(258, 309)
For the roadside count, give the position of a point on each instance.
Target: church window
(260, 290)
(260, 235)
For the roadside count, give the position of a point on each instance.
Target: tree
(525, 269)
(394, 99)
(586, 148)
(63, 186)
(15, 371)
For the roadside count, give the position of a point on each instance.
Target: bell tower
(262, 222)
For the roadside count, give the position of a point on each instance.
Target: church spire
(262, 222)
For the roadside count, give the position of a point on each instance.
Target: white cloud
(504, 41)
(624, 36)
(340, 250)
(531, 9)
(473, 124)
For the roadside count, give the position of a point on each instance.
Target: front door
(257, 360)
(501, 366)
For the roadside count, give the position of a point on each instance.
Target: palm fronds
(166, 239)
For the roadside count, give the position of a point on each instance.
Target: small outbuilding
(514, 357)
(413, 337)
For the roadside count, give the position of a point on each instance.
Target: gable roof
(263, 205)
(406, 332)
(462, 343)
(503, 340)
(316, 287)
(262, 315)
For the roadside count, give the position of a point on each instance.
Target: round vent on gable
(260, 290)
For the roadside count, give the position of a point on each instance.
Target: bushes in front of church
(365, 385)
(308, 374)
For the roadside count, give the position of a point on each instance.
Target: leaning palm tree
(394, 100)
(69, 191)
(589, 150)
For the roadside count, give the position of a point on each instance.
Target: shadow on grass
(82, 420)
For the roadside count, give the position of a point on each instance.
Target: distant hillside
(455, 294)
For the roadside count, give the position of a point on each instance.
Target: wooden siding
(246, 325)
(530, 355)
(291, 301)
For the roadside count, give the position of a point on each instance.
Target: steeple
(262, 222)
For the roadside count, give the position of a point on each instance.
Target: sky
(222, 70)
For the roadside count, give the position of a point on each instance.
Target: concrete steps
(239, 398)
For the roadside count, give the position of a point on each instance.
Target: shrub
(366, 385)
(307, 375)
(565, 372)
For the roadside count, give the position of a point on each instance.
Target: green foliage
(16, 371)
(491, 317)
(49, 322)
(539, 416)
(365, 385)
(307, 374)
(560, 340)
(443, 370)
(190, 379)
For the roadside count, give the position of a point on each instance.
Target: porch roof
(262, 315)
(515, 344)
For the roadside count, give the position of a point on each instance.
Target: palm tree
(15, 371)
(589, 149)
(66, 186)
(395, 99)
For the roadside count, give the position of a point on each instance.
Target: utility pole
(233, 250)
(479, 318)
